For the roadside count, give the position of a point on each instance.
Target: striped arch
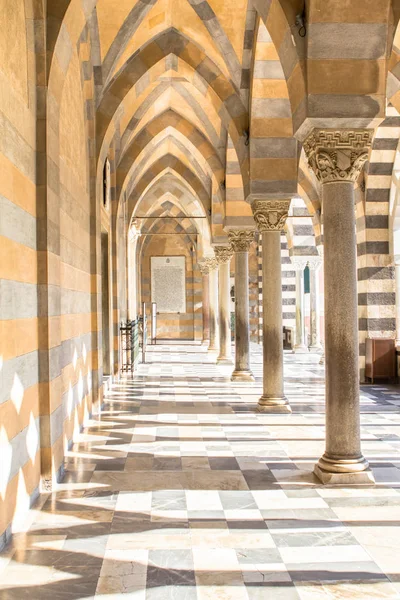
(282, 35)
(273, 149)
(238, 212)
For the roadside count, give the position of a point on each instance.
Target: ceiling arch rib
(172, 41)
(157, 103)
(160, 147)
(206, 14)
(159, 125)
(128, 28)
(175, 165)
(159, 201)
(202, 100)
(178, 187)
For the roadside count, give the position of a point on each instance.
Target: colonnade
(337, 158)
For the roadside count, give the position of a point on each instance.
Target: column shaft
(273, 398)
(242, 370)
(342, 457)
(315, 343)
(213, 286)
(225, 345)
(206, 308)
(300, 345)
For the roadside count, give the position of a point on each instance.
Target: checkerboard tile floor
(182, 491)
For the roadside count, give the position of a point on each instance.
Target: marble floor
(182, 491)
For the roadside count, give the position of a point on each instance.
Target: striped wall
(19, 276)
(376, 273)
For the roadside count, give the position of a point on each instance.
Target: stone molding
(241, 239)
(270, 215)
(338, 155)
(223, 254)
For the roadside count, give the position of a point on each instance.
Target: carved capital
(204, 267)
(270, 215)
(223, 254)
(241, 239)
(338, 155)
(212, 264)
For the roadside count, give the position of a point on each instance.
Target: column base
(343, 472)
(322, 359)
(242, 376)
(300, 350)
(223, 360)
(273, 404)
(205, 343)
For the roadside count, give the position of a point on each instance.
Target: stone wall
(20, 323)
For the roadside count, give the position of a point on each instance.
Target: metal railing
(129, 344)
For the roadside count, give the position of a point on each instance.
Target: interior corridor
(182, 490)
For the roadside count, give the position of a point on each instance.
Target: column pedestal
(270, 217)
(337, 158)
(240, 242)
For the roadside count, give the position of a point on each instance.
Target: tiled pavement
(183, 491)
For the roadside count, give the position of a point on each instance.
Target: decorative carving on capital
(223, 254)
(270, 215)
(241, 239)
(204, 267)
(338, 155)
(211, 263)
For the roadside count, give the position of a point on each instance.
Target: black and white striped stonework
(376, 284)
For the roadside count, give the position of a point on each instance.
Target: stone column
(213, 286)
(223, 255)
(240, 241)
(270, 217)
(299, 265)
(205, 272)
(314, 264)
(337, 158)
